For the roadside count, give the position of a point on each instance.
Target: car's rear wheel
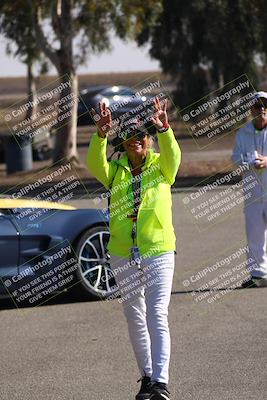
(94, 273)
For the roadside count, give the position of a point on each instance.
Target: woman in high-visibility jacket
(142, 238)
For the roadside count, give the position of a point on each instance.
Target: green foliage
(204, 44)
(16, 27)
(94, 22)
(66, 32)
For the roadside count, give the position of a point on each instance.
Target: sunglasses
(260, 104)
(138, 135)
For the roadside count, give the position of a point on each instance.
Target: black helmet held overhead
(130, 129)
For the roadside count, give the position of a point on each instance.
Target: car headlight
(106, 101)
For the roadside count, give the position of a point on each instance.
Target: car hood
(29, 203)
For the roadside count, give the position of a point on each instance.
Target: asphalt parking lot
(79, 350)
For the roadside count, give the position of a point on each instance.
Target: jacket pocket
(149, 227)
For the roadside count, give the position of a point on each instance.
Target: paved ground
(74, 350)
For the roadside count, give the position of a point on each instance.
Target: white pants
(256, 228)
(145, 296)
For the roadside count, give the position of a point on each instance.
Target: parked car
(111, 95)
(25, 242)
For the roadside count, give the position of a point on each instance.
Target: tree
(16, 26)
(204, 44)
(59, 24)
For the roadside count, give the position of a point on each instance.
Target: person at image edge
(145, 227)
(251, 151)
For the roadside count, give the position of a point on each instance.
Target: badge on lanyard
(135, 255)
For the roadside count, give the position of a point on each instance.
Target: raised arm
(97, 163)
(170, 152)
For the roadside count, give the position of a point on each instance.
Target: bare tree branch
(47, 49)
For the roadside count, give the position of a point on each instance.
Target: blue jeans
(145, 296)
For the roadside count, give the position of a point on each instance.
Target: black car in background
(111, 95)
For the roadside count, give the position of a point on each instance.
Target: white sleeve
(238, 151)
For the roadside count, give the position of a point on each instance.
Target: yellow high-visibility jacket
(155, 231)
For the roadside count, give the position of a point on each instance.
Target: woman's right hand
(103, 121)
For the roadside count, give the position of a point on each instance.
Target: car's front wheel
(94, 275)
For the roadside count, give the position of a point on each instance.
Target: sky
(123, 58)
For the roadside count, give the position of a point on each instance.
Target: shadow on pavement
(61, 298)
(208, 290)
(69, 298)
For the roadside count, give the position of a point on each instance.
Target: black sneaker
(159, 391)
(145, 390)
(254, 282)
(247, 284)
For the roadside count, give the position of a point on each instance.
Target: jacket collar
(150, 158)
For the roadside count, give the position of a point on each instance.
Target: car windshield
(92, 91)
(110, 92)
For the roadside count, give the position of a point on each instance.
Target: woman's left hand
(160, 118)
